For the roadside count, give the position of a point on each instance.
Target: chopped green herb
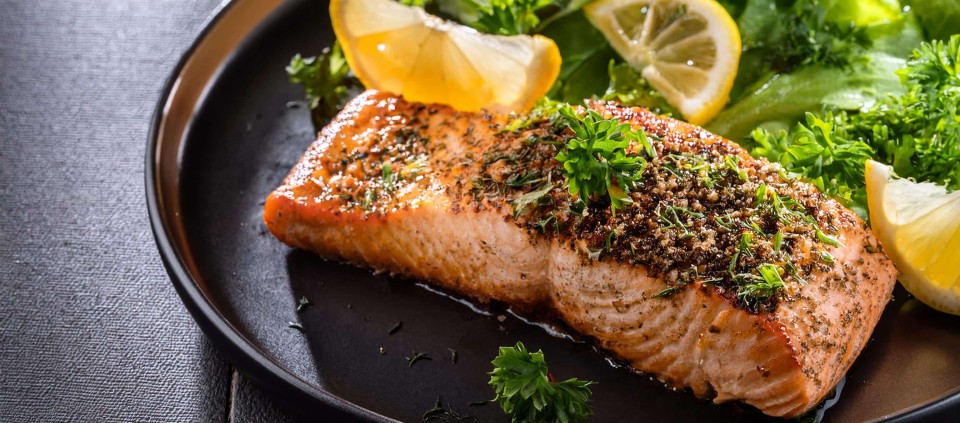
(545, 109)
(827, 239)
(389, 178)
(732, 267)
(611, 236)
(761, 193)
(531, 198)
(524, 389)
(368, 199)
(297, 326)
(752, 224)
(446, 414)
(436, 410)
(746, 241)
(777, 241)
(303, 303)
(733, 163)
(667, 292)
(724, 221)
(542, 224)
(826, 257)
(755, 288)
(395, 328)
(792, 269)
(577, 207)
(415, 357)
(523, 180)
(669, 216)
(706, 172)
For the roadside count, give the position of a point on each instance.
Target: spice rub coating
(678, 283)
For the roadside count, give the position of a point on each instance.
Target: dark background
(90, 326)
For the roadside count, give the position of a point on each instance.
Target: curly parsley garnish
(507, 17)
(917, 132)
(823, 152)
(526, 391)
(809, 37)
(595, 161)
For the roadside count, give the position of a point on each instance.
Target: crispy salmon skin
(720, 274)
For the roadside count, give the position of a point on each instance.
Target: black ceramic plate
(225, 134)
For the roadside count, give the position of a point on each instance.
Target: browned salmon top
(704, 212)
(714, 255)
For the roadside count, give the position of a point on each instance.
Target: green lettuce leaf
(782, 100)
(866, 75)
(780, 36)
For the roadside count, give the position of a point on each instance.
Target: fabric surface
(250, 404)
(91, 328)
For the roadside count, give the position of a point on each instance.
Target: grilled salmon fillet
(719, 274)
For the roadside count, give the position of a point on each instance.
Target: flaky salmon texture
(723, 275)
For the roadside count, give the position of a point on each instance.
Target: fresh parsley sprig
(526, 392)
(595, 161)
(824, 153)
(327, 81)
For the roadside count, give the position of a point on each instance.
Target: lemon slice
(406, 51)
(689, 50)
(918, 225)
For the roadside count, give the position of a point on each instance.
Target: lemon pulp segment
(919, 226)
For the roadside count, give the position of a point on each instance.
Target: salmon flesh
(720, 274)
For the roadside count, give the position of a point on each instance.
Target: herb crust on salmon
(687, 259)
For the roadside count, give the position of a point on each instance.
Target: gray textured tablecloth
(90, 326)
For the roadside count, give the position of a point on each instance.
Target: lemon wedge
(689, 50)
(406, 51)
(918, 225)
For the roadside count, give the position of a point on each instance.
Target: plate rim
(240, 351)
